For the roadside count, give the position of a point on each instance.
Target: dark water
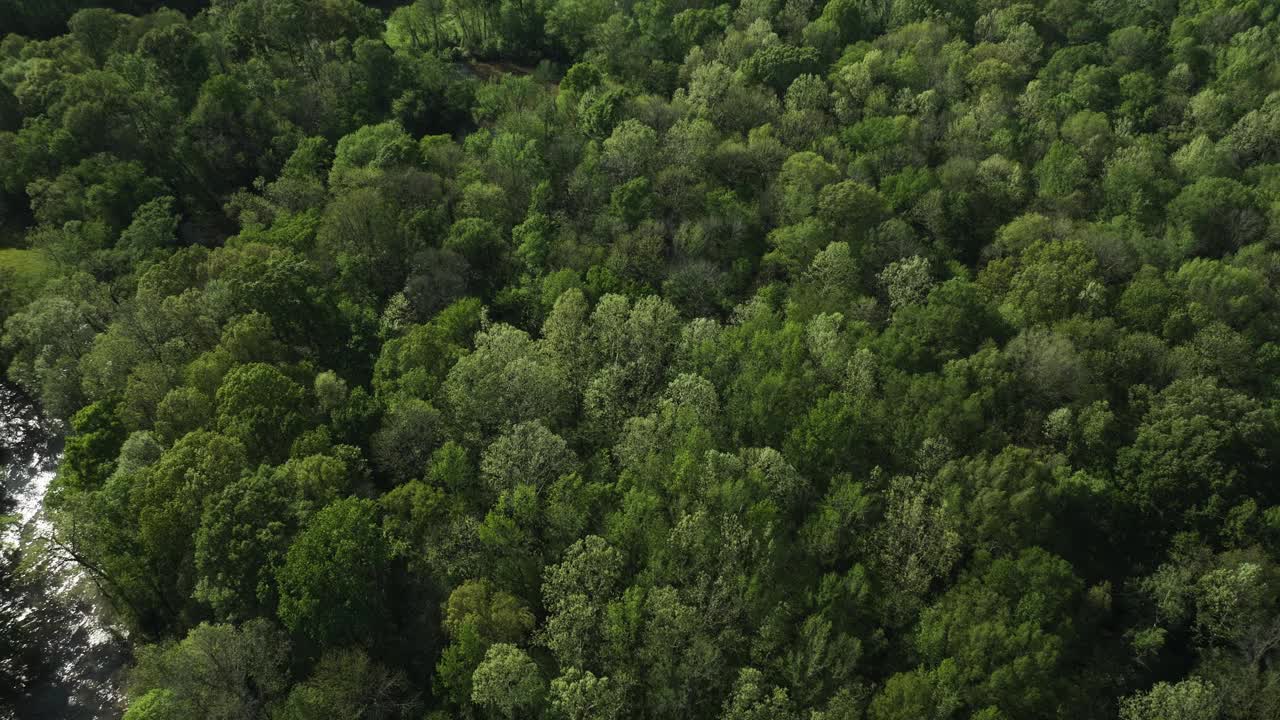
(78, 655)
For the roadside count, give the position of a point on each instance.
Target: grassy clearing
(26, 269)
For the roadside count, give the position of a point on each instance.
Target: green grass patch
(28, 270)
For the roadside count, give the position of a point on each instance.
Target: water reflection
(78, 656)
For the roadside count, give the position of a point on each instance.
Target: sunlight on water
(54, 598)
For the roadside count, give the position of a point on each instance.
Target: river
(82, 655)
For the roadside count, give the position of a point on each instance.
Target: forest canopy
(590, 360)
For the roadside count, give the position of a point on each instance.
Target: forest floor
(494, 69)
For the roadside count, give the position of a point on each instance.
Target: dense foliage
(883, 359)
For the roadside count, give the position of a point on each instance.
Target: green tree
(262, 407)
(332, 583)
(409, 433)
(168, 499)
(243, 536)
(216, 671)
(580, 695)
(1198, 447)
(508, 681)
(1190, 699)
(508, 379)
(752, 699)
(350, 684)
